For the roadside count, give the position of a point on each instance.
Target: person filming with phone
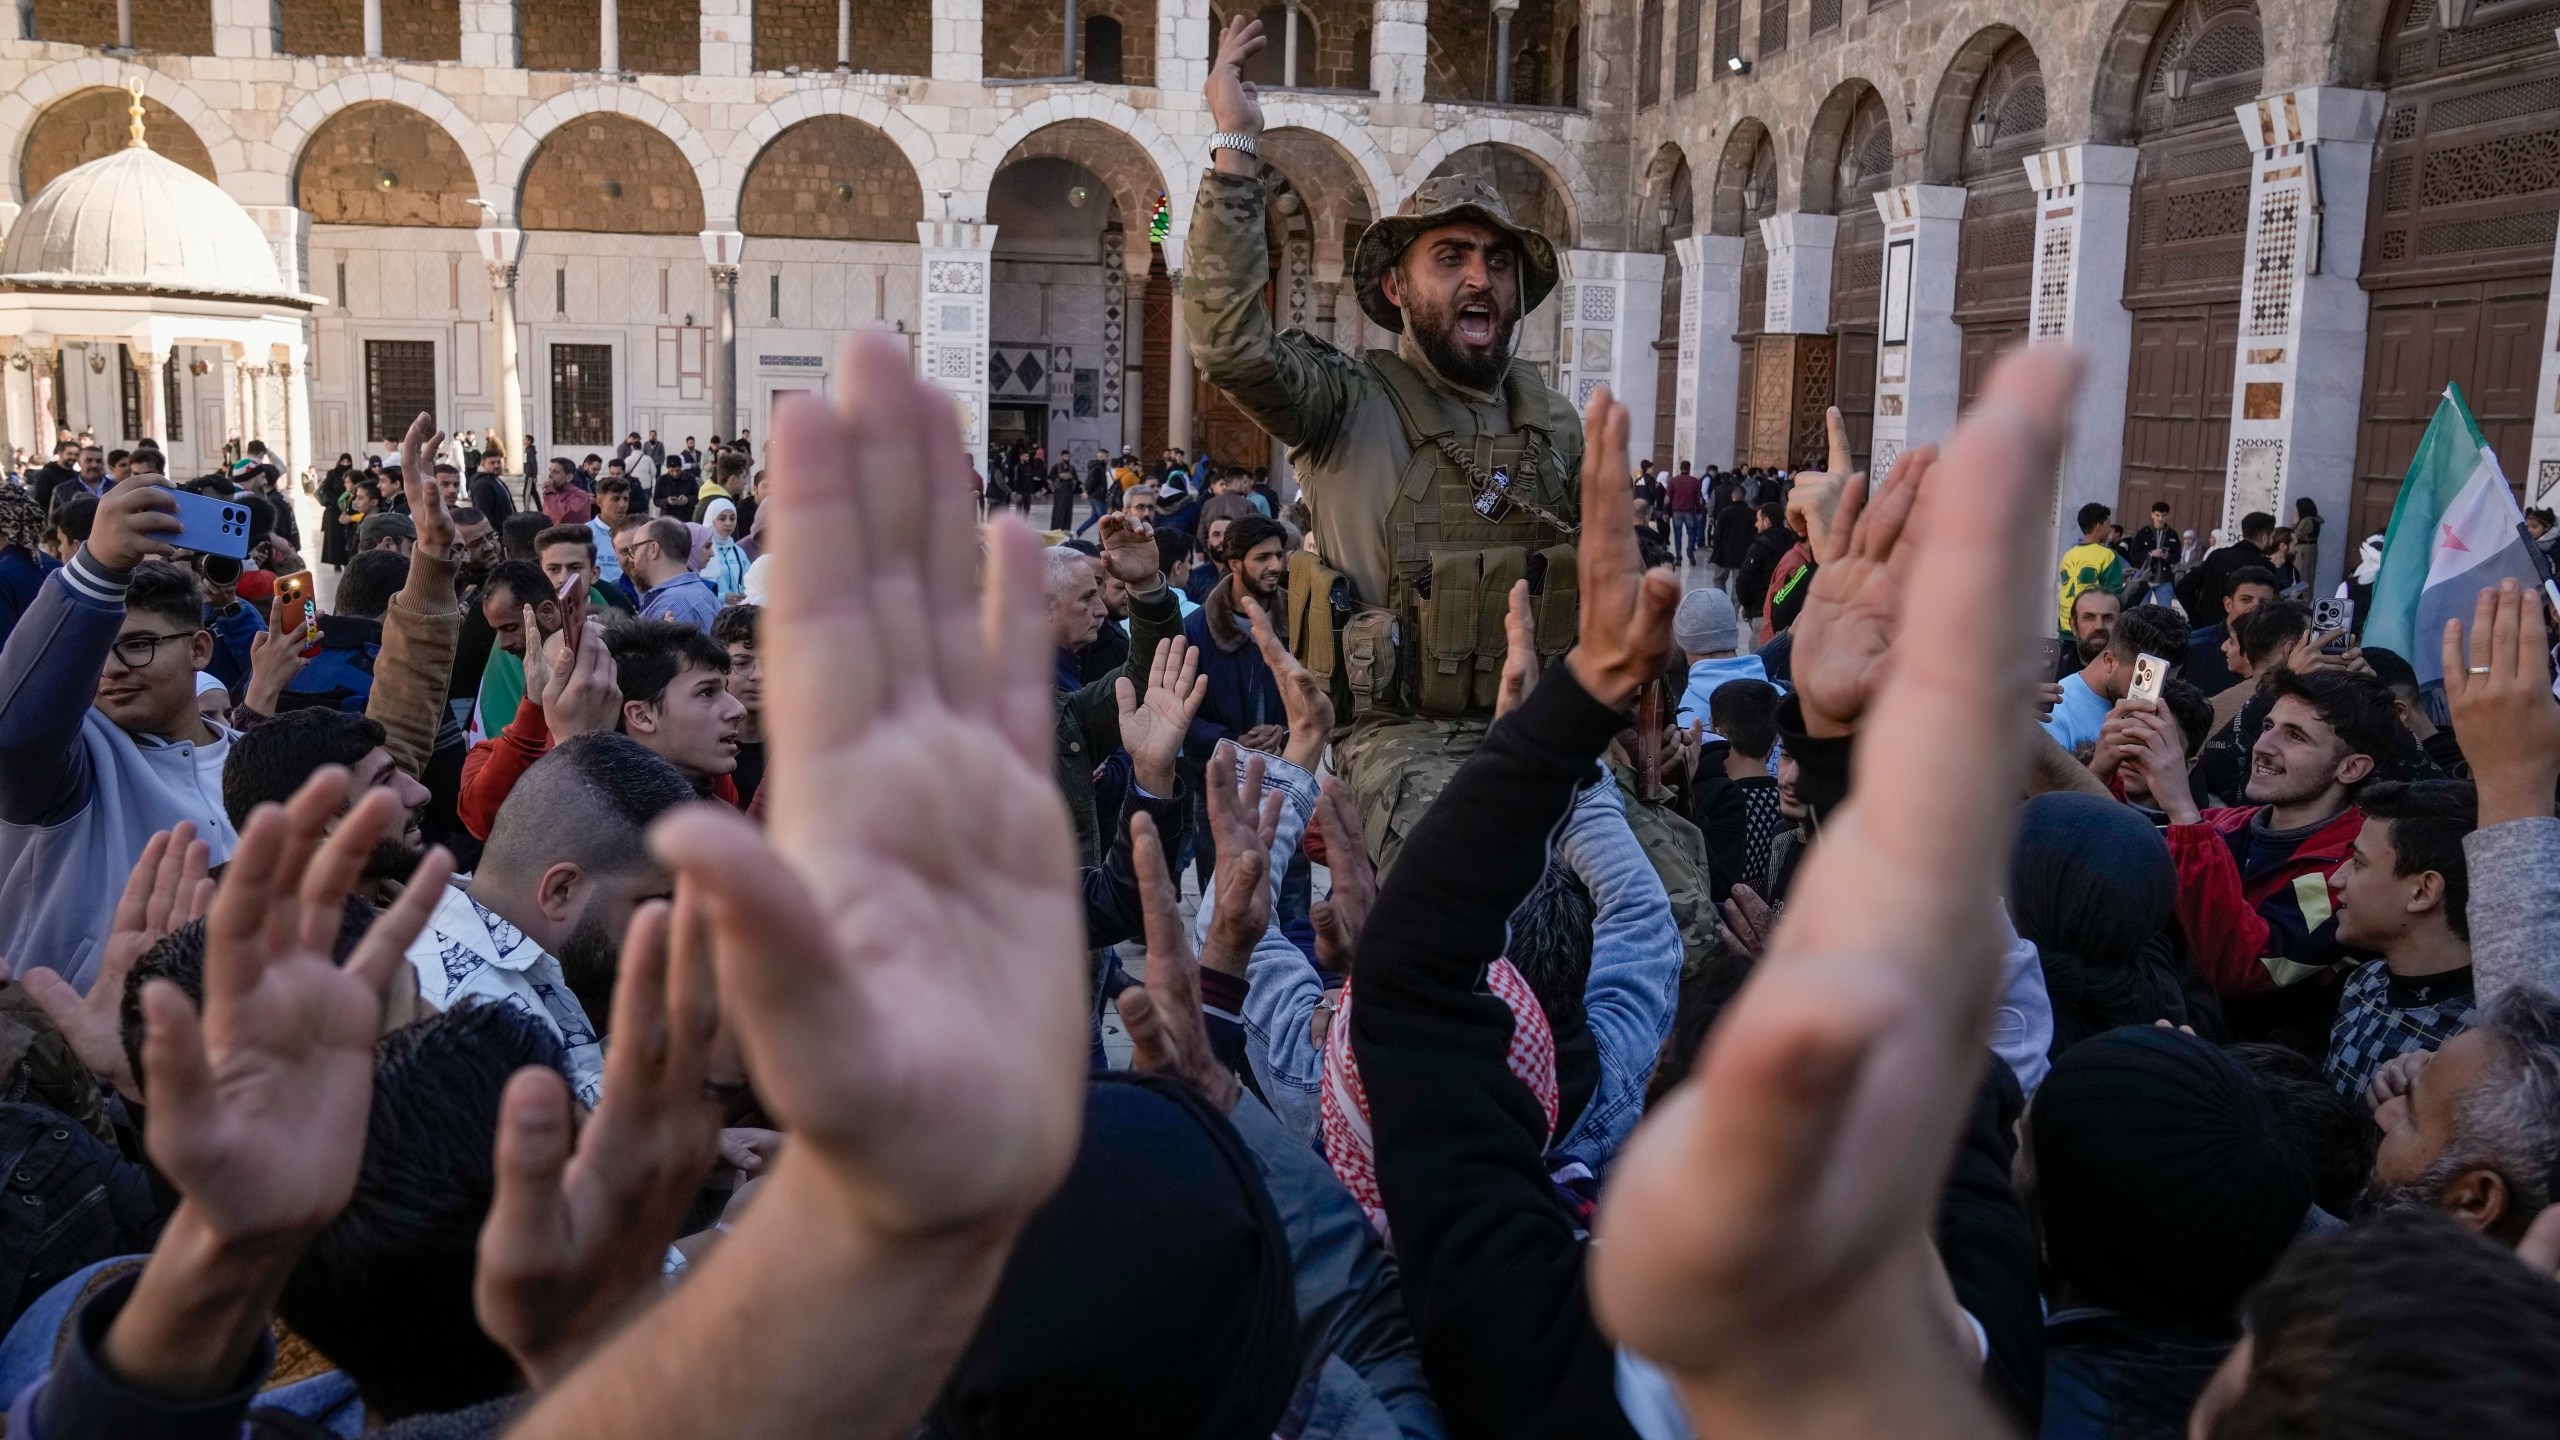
(101, 742)
(2108, 676)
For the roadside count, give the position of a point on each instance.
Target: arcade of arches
(2279, 228)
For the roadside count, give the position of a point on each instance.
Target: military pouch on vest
(1444, 677)
(1503, 565)
(1556, 576)
(1369, 660)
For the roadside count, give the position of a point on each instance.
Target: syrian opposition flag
(2455, 531)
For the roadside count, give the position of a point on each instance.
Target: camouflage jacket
(1328, 406)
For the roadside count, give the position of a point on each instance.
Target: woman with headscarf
(2091, 886)
(726, 565)
(23, 562)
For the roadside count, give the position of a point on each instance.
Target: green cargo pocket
(1446, 675)
(1503, 564)
(1559, 606)
(1369, 659)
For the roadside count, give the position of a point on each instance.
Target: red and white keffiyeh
(1344, 1104)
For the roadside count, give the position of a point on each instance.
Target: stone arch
(1537, 199)
(1947, 144)
(1669, 182)
(831, 177)
(316, 109)
(223, 149)
(713, 183)
(1853, 114)
(1337, 183)
(1735, 165)
(378, 162)
(1562, 168)
(92, 124)
(1347, 138)
(932, 171)
(605, 172)
(1100, 113)
(1118, 161)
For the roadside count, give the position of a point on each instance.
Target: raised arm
(1635, 969)
(1766, 1235)
(2498, 684)
(1294, 386)
(423, 627)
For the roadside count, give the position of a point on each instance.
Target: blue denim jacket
(1635, 970)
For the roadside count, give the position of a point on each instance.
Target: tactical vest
(1473, 512)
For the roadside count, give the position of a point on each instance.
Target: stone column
(246, 29)
(1799, 296)
(500, 250)
(2297, 381)
(721, 250)
(1179, 385)
(1608, 314)
(1183, 48)
(2078, 296)
(491, 33)
(40, 361)
(1710, 363)
(729, 37)
(1793, 370)
(959, 279)
(293, 369)
(146, 365)
(373, 29)
(17, 404)
(1918, 380)
(1400, 50)
(959, 50)
(1503, 10)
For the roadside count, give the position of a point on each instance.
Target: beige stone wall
(611, 174)
(560, 34)
(1026, 39)
(384, 164)
(96, 123)
(662, 37)
(422, 29)
(832, 179)
(890, 37)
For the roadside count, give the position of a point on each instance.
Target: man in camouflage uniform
(1438, 474)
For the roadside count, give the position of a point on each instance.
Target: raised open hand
(1344, 912)
(1151, 729)
(905, 977)
(258, 1106)
(1234, 103)
(1302, 696)
(1519, 652)
(1766, 1235)
(575, 1243)
(1242, 823)
(167, 889)
(1626, 609)
(1168, 1034)
(418, 451)
(1845, 632)
(2498, 686)
(1129, 552)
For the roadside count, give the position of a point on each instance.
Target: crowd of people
(1731, 955)
(680, 1054)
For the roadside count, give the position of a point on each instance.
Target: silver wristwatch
(1235, 140)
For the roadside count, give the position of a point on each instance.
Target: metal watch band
(1232, 140)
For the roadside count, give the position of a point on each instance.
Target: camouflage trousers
(1396, 766)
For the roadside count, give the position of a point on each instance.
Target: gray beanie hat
(1704, 624)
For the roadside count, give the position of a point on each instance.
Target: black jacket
(1493, 1269)
(1732, 535)
(1758, 565)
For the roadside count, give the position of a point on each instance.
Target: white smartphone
(2150, 672)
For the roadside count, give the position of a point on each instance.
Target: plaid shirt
(2382, 1016)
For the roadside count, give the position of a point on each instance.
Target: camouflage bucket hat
(1449, 200)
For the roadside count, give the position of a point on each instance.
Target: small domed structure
(138, 220)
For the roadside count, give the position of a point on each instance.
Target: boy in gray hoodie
(101, 743)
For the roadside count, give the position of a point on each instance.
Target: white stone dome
(139, 220)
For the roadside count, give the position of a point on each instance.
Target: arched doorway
(2457, 256)
(1747, 193)
(1674, 215)
(1995, 246)
(2183, 266)
(1863, 166)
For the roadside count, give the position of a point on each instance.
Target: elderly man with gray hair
(2476, 1131)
